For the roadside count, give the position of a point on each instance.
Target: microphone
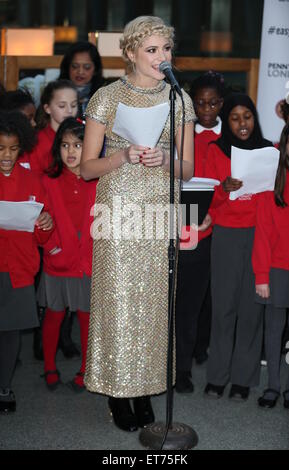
(166, 68)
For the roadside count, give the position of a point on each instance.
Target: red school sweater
(40, 158)
(202, 138)
(236, 214)
(271, 247)
(67, 254)
(19, 254)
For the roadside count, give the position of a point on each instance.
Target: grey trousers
(237, 321)
(275, 319)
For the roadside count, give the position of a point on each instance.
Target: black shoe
(239, 393)
(286, 400)
(201, 358)
(122, 414)
(52, 386)
(214, 391)
(143, 411)
(7, 402)
(268, 402)
(65, 344)
(184, 383)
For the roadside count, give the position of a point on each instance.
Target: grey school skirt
(17, 306)
(279, 289)
(59, 293)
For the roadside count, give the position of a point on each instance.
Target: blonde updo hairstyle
(137, 30)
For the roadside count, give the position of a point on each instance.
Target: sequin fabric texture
(127, 345)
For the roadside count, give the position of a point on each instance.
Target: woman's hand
(263, 290)
(207, 222)
(134, 153)
(154, 157)
(231, 184)
(44, 221)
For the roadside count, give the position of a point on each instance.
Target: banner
(273, 83)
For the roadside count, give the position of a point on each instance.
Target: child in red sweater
(193, 300)
(58, 101)
(19, 257)
(237, 321)
(271, 268)
(67, 256)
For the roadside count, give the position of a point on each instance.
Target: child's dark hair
(15, 100)
(15, 123)
(71, 126)
(42, 118)
(209, 79)
(283, 166)
(83, 46)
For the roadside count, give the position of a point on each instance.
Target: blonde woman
(127, 348)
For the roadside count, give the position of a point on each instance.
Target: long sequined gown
(127, 344)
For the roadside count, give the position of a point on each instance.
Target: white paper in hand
(141, 126)
(255, 168)
(19, 215)
(200, 184)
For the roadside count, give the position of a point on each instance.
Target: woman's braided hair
(137, 30)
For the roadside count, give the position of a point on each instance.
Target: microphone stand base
(180, 436)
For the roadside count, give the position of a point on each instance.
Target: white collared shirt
(216, 129)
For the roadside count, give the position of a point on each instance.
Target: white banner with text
(273, 83)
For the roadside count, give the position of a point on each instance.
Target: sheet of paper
(200, 184)
(256, 168)
(141, 126)
(19, 215)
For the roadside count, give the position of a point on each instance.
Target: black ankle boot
(143, 411)
(65, 344)
(122, 414)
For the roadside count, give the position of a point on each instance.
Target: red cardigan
(271, 247)
(224, 212)
(40, 158)
(18, 250)
(65, 254)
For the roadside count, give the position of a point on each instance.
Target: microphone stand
(170, 436)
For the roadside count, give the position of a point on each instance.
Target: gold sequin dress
(127, 344)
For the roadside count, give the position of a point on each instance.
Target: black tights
(9, 347)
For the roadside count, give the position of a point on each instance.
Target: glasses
(203, 103)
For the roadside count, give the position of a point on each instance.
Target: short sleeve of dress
(189, 110)
(98, 106)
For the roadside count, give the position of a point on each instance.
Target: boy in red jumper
(67, 256)
(271, 268)
(193, 300)
(19, 257)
